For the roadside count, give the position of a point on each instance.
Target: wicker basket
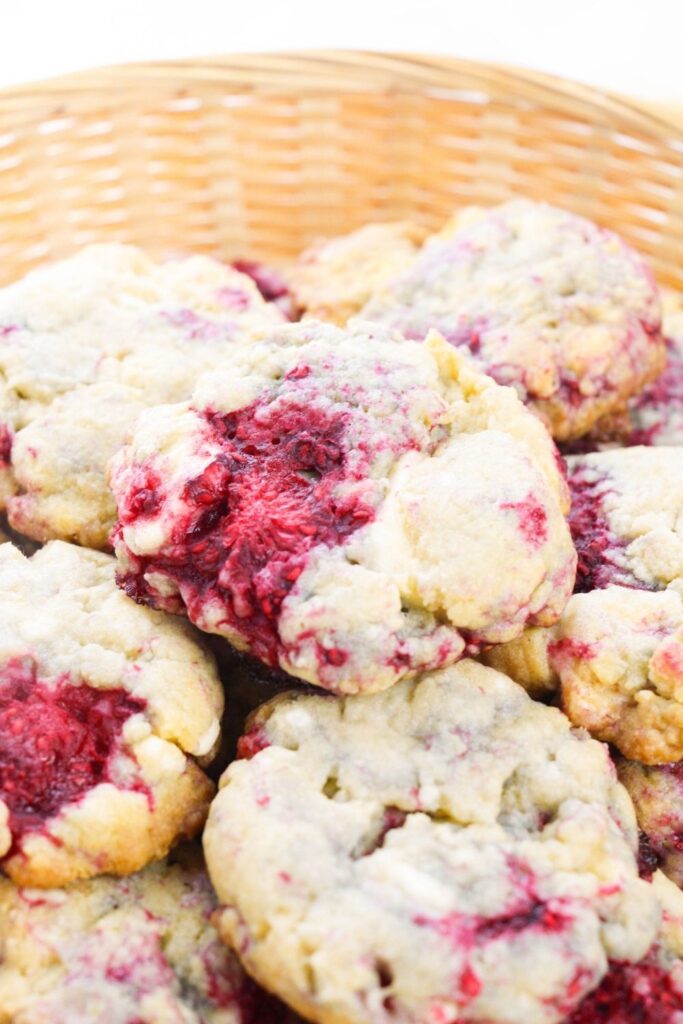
(256, 155)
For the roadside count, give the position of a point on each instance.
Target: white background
(635, 46)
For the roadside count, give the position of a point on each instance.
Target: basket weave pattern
(257, 155)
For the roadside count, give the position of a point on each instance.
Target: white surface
(630, 45)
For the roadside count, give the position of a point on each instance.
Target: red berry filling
(641, 993)
(253, 515)
(270, 283)
(56, 742)
(5, 445)
(532, 518)
(601, 561)
(663, 398)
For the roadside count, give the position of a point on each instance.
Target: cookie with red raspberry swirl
(543, 300)
(615, 653)
(657, 794)
(649, 992)
(85, 344)
(140, 948)
(447, 850)
(346, 505)
(108, 712)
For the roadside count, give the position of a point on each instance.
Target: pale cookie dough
(334, 278)
(613, 653)
(627, 518)
(84, 345)
(561, 309)
(348, 505)
(140, 949)
(107, 711)
(446, 851)
(616, 656)
(657, 794)
(649, 992)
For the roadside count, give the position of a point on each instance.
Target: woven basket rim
(322, 70)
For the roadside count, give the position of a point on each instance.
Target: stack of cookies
(341, 633)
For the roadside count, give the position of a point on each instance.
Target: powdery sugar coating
(329, 503)
(105, 711)
(657, 413)
(107, 329)
(334, 278)
(546, 301)
(139, 950)
(459, 855)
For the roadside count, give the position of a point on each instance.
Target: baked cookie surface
(615, 653)
(543, 300)
(106, 712)
(627, 518)
(120, 950)
(334, 278)
(346, 505)
(649, 992)
(446, 851)
(657, 794)
(87, 343)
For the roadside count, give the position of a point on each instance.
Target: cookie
(119, 950)
(649, 992)
(614, 653)
(627, 518)
(657, 794)
(616, 656)
(334, 278)
(86, 344)
(543, 300)
(657, 413)
(346, 505)
(449, 850)
(107, 712)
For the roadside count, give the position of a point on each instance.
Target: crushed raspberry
(254, 513)
(392, 818)
(5, 445)
(569, 648)
(56, 741)
(641, 993)
(600, 552)
(270, 284)
(663, 397)
(533, 520)
(252, 743)
(196, 327)
(648, 858)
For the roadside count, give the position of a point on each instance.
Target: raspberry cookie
(121, 950)
(543, 300)
(107, 711)
(657, 794)
(335, 278)
(348, 505)
(649, 992)
(627, 518)
(446, 851)
(86, 344)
